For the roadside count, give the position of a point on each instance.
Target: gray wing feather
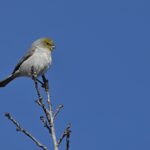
(24, 58)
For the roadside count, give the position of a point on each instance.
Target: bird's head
(44, 42)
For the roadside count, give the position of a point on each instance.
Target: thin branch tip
(7, 114)
(24, 131)
(58, 110)
(66, 134)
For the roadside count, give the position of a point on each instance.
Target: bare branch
(58, 110)
(41, 104)
(68, 132)
(44, 121)
(53, 134)
(40, 99)
(50, 116)
(67, 135)
(19, 128)
(49, 112)
(34, 77)
(48, 120)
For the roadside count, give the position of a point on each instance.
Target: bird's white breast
(40, 61)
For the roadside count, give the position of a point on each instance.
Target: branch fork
(48, 120)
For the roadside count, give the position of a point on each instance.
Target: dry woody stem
(67, 135)
(48, 119)
(48, 112)
(58, 110)
(19, 128)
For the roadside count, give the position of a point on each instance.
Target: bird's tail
(7, 80)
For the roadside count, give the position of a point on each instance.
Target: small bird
(37, 57)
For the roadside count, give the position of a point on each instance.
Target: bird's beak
(53, 47)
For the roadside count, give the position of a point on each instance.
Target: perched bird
(37, 57)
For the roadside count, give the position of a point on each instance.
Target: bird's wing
(24, 58)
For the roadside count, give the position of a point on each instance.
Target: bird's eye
(47, 43)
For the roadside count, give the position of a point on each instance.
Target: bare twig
(52, 121)
(48, 112)
(48, 120)
(50, 116)
(53, 134)
(41, 104)
(34, 77)
(58, 110)
(68, 132)
(40, 99)
(19, 128)
(67, 135)
(45, 123)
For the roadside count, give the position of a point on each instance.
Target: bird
(38, 57)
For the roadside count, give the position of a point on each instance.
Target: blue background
(100, 72)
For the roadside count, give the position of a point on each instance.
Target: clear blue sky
(100, 71)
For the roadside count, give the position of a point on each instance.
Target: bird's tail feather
(7, 80)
